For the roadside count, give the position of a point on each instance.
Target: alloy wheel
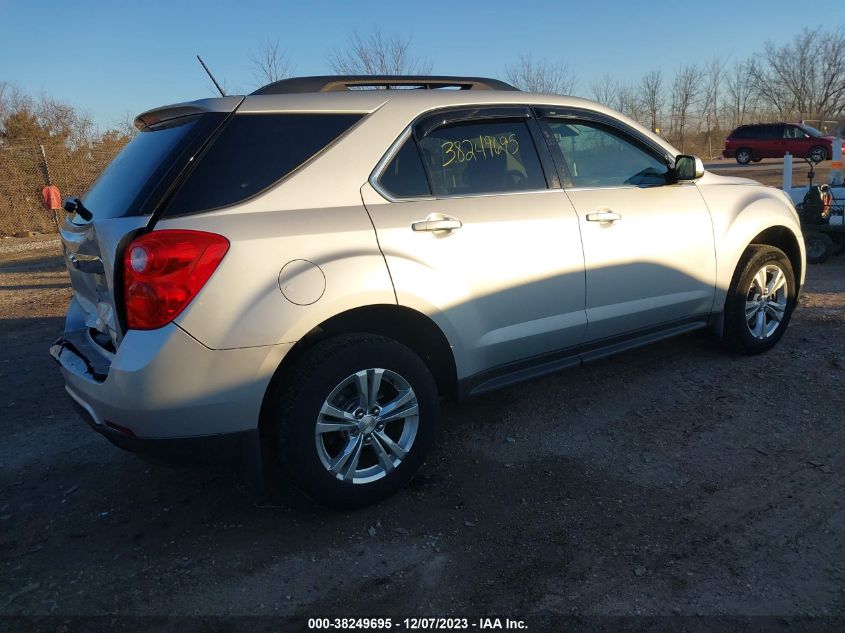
(766, 301)
(818, 155)
(367, 426)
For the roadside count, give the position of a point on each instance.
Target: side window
(599, 157)
(772, 132)
(792, 131)
(404, 176)
(482, 157)
(253, 152)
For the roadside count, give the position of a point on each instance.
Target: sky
(117, 58)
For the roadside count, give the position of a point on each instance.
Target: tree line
(803, 79)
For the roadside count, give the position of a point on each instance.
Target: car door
(648, 243)
(796, 141)
(772, 143)
(478, 235)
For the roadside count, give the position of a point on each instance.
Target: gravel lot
(674, 480)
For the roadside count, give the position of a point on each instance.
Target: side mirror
(688, 168)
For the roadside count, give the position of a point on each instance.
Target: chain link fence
(26, 169)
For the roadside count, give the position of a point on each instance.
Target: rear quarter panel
(242, 305)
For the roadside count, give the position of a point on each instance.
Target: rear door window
(484, 156)
(253, 152)
(773, 132)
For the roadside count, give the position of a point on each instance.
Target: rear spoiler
(151, 118)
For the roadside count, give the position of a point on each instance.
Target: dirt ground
(676, 480)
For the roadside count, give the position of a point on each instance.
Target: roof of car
(406, 104)
(334, 83)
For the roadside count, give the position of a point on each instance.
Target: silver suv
(295, 277)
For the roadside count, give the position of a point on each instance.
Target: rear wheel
(743, 156)
(817, 154)
(356, 419)
(760, 300)
(819, 247)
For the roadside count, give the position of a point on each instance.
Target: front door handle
(444, 224)
(603, 216)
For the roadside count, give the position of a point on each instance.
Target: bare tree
(542, 76)
(627, 101)
(63, 122)
(268, 63)
(652, 97)
(123, 126)
(605, 90)
(805, 77)
(377, 54)
(739, 94)
(685, 92)
(710, 109)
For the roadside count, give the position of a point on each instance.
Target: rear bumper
(728, 153)
(164, 385)
(230, 448)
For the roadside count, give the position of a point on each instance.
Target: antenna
(217, 85)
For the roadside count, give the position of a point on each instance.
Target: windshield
(130, 177)
(809, 129)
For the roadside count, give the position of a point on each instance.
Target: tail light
(164, 271)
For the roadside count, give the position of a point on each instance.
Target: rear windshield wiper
(74, 205)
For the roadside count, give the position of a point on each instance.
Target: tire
(743, 156)
(819, 247)
(367, 467)
(743, 330)
(817, 154)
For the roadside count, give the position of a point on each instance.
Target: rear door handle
(446, 224)
(603, 216)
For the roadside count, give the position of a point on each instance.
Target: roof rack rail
(335, 83)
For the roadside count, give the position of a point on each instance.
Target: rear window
(253, 152)
(125, 186)
(742, 132)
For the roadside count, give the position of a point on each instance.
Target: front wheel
(817, 154)
(760, 300)
(356, 419)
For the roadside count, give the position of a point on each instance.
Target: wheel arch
(783, 238)
(404, 325)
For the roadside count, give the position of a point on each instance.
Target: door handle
(603, 216)
(446, 224)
